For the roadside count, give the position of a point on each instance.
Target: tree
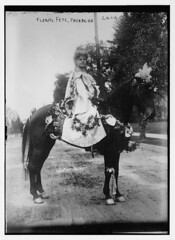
(13, 122)
(60, 85)
(104, 75)
(16, 126)
(141, 37)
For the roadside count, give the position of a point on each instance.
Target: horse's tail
(25, 148)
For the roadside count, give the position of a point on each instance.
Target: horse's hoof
(119, 199)
(110, 201)
(44, 195)
(38, 200)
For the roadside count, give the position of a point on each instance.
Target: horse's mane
(119, 92)
(120, 101)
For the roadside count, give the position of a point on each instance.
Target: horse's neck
(121, 111)
(121, 104)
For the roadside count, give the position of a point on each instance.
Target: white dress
(84, 127)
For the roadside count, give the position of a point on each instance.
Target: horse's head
(138, 92)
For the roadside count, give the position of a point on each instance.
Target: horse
(119, 104)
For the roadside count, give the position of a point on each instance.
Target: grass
(153, 127)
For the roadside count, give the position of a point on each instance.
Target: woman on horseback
(83, 126)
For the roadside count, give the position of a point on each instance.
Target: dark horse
(119, 103)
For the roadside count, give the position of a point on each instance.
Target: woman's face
(81, 62)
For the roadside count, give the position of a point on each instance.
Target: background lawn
(153, 127)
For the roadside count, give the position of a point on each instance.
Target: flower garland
(55, 119)
(84, 127)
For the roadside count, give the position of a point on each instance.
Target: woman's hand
(90, 96)
(97, 101)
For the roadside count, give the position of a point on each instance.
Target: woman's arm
(81, 89)
(81, 103)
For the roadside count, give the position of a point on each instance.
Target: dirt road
(74, 182)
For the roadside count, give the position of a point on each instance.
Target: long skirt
(77, 137)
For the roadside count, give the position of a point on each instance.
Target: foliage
(103, 75)
(13, 122)
(141, 37)
(60, 85)
(16, 126)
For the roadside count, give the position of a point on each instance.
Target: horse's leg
(39, 186)
(108, 173)
(38, 153)
(35, 164)
(118, 196)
